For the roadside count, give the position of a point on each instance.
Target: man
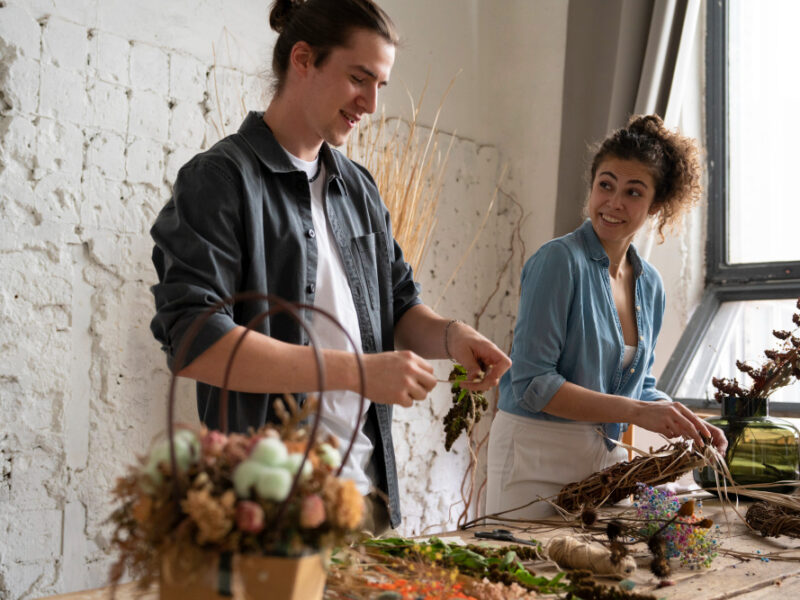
(274, 209)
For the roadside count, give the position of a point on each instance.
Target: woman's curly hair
(673, 160)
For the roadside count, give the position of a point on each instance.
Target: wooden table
(728, 576)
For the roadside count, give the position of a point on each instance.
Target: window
(753, 245)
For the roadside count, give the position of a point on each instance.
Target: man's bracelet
(446, 331)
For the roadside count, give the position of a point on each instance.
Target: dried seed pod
(687, 509)
(659, 566)
(657, 545)
(589, 517)
(613, 530)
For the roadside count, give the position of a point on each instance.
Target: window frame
(724, 281)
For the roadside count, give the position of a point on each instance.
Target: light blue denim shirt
(568, 328)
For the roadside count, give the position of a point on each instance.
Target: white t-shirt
(628, 356)
(340, 407)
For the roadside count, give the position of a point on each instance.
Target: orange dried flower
(347, 505)
(213, 516)
(295, 446)
(142, 509)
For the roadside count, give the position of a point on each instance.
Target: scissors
(504, 535)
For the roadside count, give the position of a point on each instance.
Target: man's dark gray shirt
(240, 220)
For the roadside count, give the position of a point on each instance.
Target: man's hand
(485, 363)
(397, 377)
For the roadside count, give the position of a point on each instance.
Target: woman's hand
(673, 419)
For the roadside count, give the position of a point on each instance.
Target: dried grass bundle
(773, 519)
(621, 480)
(409, 172)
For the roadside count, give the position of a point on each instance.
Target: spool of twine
(570, 552)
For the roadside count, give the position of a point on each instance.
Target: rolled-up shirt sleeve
(197, 257)
(539, 336)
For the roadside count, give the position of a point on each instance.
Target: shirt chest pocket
(371, 256)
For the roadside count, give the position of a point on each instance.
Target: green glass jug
(761, 449)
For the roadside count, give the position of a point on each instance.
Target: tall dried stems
(409, 173)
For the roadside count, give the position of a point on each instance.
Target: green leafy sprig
(467, 409)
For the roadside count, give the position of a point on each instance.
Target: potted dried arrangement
(761, 448)
(210, 514)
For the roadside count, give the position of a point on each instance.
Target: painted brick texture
(100, 105)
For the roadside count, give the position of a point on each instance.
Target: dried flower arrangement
(201, 498)
(675, 530)
(467, 409)
(781, 369)
(623, 479)
(233, 489)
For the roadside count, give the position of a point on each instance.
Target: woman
(588, 321)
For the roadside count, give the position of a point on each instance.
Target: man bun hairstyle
(323, 25)
(673, 160)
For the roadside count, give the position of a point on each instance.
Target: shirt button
(633, 370)
(310, 288)
(638, 307)
(641, 338)
(311, 233)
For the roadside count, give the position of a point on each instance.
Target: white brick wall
(100, 105)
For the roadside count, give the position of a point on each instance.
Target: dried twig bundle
(773, 520)
(621, 480)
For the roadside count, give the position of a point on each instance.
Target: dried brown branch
(781, 369)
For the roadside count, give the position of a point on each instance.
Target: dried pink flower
(249, 517)
(253, 442)
(238, 448)
(213, 443)
(312, 512)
